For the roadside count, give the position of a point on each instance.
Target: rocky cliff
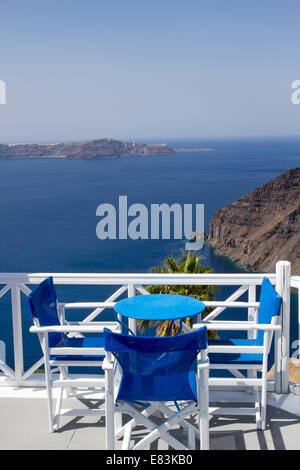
(262, 227)
(94, 149)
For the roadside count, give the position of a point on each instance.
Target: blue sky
(148, 69)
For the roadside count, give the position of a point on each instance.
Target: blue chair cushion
(79, 343)
(270, 304)
(225, 358)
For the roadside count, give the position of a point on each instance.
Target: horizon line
(145, 139)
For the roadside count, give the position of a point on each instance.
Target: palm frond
(189, 264)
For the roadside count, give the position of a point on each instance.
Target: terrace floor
(24, 425)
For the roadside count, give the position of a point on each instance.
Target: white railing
(133, 284)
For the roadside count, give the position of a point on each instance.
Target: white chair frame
(251, 381)
(142, 417)
(65, 381)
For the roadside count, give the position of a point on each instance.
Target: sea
(48, 214)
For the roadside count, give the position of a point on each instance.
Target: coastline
(262, 227)
(236, 267)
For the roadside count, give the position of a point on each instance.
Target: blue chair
(247, 355)
(64, 346)
(151, 370)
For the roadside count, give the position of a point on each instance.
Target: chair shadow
(76, 423)
(226, 433)
(277, 425)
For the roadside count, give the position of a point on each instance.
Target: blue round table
(159, 307)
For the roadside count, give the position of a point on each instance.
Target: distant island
(89, 150)
(262, 227)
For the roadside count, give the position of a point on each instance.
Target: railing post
(132, 321)
(282, 340)
(252, 311)
(252, 317)
(17, 331)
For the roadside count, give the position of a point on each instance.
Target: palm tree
(187, 264)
